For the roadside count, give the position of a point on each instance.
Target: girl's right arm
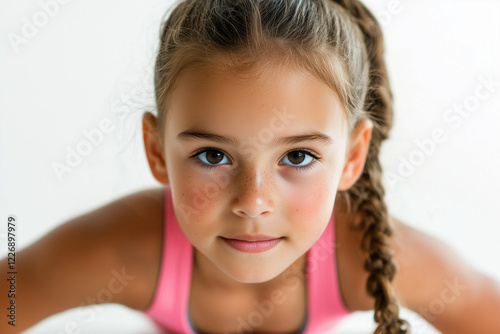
(105, 256)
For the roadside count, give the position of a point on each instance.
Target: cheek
(195, 204)
(198, 197)
(312, 204)
(195, 212)
(306, 204)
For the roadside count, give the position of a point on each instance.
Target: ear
(357, 151)
(154, 148)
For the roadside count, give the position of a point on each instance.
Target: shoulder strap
(170, 305)
(325, 303)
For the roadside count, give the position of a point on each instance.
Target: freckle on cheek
(199, 201)
(308, 204)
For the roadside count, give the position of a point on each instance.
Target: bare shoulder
(110, 254)
(121, 242)
(431, 279)
(130, 229)
(423, 264)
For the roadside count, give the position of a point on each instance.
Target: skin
(73, 263)
(262, 193)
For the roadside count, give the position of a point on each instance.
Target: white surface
(93, 61)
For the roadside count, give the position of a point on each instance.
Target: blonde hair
(339, 42)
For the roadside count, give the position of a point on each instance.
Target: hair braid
(366, 197)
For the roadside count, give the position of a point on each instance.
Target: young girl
(272, 218)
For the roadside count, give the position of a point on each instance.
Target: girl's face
(239, 162)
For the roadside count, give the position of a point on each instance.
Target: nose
(254, 195)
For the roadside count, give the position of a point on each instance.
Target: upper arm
(94, 258)
(58, 272)
(432, 280)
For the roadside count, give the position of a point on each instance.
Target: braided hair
(366, 196)
(340, 42)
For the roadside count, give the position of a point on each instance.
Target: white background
(93, 61)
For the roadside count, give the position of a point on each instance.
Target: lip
(257, 244)
(248, 237)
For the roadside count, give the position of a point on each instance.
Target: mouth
(248, 237)
(252, 244)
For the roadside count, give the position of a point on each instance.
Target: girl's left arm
(436, 283)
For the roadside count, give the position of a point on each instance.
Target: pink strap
(170, 305)
(325, 307)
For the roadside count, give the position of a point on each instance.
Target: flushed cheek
(199, 192)
(197, 203)
(197, 216)
(307, 204)
(311, 208)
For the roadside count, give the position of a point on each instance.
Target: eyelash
(299, 168)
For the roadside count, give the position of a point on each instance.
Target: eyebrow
(312, 136)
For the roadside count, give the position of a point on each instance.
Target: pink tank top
(170, 304)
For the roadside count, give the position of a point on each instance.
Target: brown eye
(212, 157)
(299, 158)
(296, 157)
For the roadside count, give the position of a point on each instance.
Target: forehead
(242, 104)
